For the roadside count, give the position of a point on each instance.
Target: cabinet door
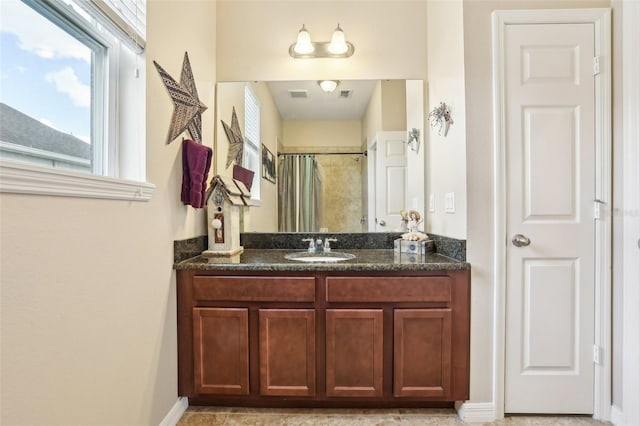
(221, 351)
(422, 352)
(354, 352)
(287, 352)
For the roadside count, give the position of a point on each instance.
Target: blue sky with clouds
(44, 72)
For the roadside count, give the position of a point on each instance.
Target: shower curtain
(299, 194)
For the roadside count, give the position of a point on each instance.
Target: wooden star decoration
(236, 141)
(187, 112)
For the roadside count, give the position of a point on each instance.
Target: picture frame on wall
(268, 165)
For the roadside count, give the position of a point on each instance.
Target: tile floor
(218, 416)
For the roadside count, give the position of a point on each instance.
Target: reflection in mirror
(325, 144)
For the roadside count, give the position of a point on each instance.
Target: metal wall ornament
(414, 139)
(440, 117)
(236, 140)
(187, 112)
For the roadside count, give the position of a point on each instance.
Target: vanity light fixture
(303, 44)
(338, 44)
(304, 48)
(328, 86)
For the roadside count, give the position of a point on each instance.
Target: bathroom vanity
(260, 330)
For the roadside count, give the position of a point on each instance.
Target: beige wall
(417, 161)
(372, 118)
(263, 217)
(394, 105)
(254, 38)
(88, 292)
(478, 92)
(446, 156)
(321, 135)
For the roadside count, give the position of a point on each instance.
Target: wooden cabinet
(221, 351)
(287, 352)
(422, 352)
(354, 352)
(323, 339)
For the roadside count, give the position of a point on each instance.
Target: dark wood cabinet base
(324, 339)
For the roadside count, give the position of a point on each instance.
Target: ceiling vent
(295, 94)
(345, 93)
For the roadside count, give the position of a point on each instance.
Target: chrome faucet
(312, 244)
(327, 246)
(317, 246)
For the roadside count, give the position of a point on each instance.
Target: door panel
(354, 352)
(550, 154)
(549, 316)
(550, 163)
(422, 352)
(221, 351)
(287, 352)
(391, 179)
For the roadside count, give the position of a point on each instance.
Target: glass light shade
(338, 44)
(328, 85)
(303, 44)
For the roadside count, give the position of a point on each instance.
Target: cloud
(66, 81)
(38, 35)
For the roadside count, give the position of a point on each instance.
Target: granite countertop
(365, 260)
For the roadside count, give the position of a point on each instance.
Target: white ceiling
(320, 105)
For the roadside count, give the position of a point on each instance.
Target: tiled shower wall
(342, 183)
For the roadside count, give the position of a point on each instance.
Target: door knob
(382, 223)
(520, 240)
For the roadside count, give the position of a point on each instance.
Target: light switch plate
(450, 202)
(432, 203)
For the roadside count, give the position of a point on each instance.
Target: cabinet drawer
(389, 289)
(254, 289)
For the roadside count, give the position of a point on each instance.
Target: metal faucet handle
(312, 244)
(327, 246)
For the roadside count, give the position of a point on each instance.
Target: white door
(390, 180)
(550, 155)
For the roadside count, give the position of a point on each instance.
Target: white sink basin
(332, 256)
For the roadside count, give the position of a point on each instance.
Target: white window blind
(126, 17)
(252, 116)
(252, 151)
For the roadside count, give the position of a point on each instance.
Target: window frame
(256, 146)
(119, 163)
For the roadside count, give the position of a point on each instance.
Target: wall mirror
(327, 143)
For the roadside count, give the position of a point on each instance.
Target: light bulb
(338, 45)
(328, 85)
(303, 44)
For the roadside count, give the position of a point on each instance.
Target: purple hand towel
(243, 175)
(196, 161)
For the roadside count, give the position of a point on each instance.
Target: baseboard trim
(176, 412)
(476, 412)
(617, 417)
